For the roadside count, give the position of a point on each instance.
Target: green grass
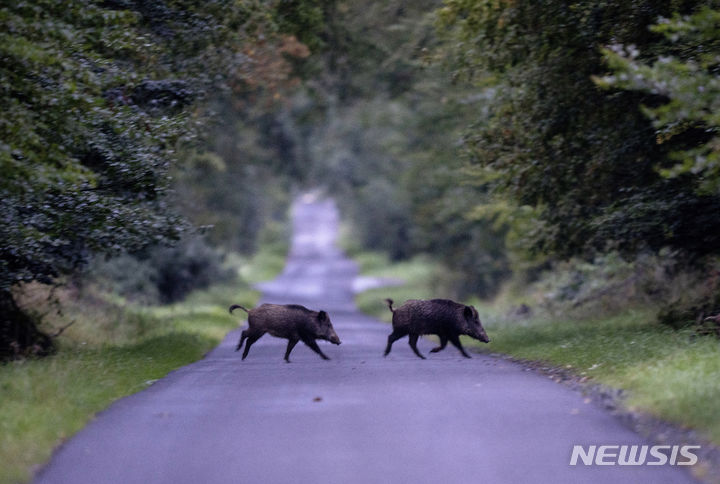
(670, 374)
(110, 352)
(667, 373)
(46, 401)
(418, 274)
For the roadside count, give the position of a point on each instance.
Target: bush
(162, 274)
(186, 267)
(682, 295)
(608, 282)
(698, 305)
(126, 276)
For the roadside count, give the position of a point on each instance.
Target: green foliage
(233, 200)
(100, 100)
(182, 269)
(371, 48)
(90, 127)
(698, 305)
(389, 150)
(303, 18)
(549, 167)
(359, 166)
(608, 284)
(162, 274)
(686, 75)
(72, 165)
(489, 146)
(583, 157)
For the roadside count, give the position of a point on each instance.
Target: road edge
(613, 400)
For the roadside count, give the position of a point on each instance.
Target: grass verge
(111, 351)
(418, 273)
(667, 373)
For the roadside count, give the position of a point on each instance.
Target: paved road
(359, 418)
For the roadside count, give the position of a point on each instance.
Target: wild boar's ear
(468, 313)
(322, 316)
(475, 313)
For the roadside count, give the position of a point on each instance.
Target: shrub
(162, 274)
(683, 295)
(186, 267)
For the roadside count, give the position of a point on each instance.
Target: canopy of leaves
(585, 157)
(100, 99)
(87, 132)
(687, 75)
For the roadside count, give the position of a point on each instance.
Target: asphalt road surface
(358, 418)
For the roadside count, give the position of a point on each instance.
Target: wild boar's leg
(243, 335)
(251, 338)
(413, 344)
(313, 346)
(394, 336)
(290, 346)
(443, 343)
(455, 340)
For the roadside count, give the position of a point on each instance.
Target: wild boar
(292, 322)
(442, 317)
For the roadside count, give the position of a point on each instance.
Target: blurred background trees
(512, 140)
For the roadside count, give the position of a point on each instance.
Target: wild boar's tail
(237, 306)
(390, 303)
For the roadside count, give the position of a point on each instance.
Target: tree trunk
(19, 335)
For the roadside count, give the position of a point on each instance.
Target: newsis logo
(634, 455)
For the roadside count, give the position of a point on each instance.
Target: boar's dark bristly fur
(290, 321)
(442, 317)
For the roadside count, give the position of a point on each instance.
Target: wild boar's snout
(476, 328)
(331, 335)
(328, 332)
(479, 333)
(483, 336)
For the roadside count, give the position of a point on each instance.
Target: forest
(555, 163)
(569, 146)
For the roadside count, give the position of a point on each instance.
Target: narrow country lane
(358, 418)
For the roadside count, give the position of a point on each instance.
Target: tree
(687, 76)
(387, 145)
(584, 157)
(98, 97)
